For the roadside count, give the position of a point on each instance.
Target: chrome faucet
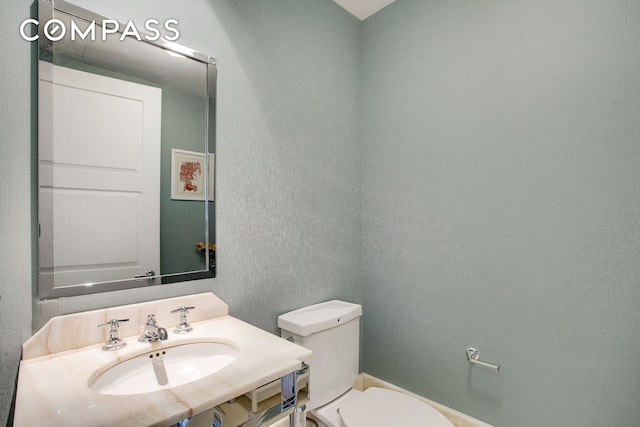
(184, 327)
(152, 332)
(114, 342)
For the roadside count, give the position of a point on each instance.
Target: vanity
(68, 378)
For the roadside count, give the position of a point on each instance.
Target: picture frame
(187, 175)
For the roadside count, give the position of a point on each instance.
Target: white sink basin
(164, 368)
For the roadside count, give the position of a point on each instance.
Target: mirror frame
(46, 11)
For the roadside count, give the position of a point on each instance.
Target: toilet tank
(332, 331)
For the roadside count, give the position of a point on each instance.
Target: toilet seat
(381, 407)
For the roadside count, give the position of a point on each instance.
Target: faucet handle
(182, 309)
(183, 327)
(114, 342)
(113, 323)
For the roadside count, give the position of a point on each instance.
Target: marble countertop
(53, 387)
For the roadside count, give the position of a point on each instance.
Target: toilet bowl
(380, 407)
(332, 331)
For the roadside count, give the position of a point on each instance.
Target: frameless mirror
(126, 143)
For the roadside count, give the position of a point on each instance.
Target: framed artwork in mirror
(187, 175)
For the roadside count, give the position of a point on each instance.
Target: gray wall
(288, 162)
(501, 206)
(181, 221)
(17, 239)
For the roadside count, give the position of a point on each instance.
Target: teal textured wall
(501, 206)
(17, 209)
(181, 221)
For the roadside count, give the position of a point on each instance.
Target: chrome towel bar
(473, 356)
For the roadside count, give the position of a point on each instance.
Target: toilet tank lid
(318, 317)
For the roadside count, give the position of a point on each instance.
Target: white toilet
(332, 330)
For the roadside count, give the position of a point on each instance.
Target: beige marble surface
(62, 358)
(79, 330)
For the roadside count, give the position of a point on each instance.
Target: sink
(164, 368)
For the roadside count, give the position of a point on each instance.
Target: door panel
(105, 169)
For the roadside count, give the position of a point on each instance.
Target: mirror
(126, 143)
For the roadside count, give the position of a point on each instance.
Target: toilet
(332, 331)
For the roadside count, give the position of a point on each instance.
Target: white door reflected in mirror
(100, 180)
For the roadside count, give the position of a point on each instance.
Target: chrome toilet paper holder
(473, 356)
